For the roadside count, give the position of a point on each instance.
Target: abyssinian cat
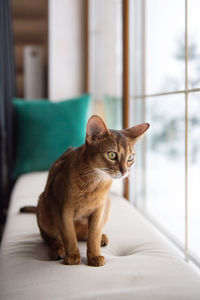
(75, 202)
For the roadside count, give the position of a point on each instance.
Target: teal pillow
(46, 129)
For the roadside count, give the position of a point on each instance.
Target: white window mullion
(144, 141)
(186, 131)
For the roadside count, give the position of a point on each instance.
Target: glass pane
(165, 45)
(194, 43)
(165, 163)
(194, 174)
(106, 60)
(136, 173)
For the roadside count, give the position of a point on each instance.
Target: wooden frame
(87, 52)
(125, 84)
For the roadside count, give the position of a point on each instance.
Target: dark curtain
(7, 91)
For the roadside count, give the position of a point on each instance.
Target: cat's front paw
(96, 261)
(72, 259)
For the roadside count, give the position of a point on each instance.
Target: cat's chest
(90, 200)
(87, 205)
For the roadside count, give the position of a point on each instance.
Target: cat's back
(59, 173)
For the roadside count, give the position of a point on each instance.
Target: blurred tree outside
(170, 124)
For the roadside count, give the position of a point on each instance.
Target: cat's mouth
(117, 174)
(104, 172)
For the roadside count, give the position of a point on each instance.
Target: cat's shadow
(35, 248)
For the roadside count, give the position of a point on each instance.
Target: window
(166, 93)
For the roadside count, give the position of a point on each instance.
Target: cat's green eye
(130, 157)
(112, 155)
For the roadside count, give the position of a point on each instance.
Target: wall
(66, 48)
(105, 48)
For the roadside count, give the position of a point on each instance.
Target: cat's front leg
(72, 255)
(94, 238)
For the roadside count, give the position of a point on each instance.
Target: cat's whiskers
(118, 174)
(98, 173)
(102, 173)
(88, 173)
(125, 175)
(104, 169)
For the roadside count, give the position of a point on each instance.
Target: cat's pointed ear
(136, 132)
(96, 128)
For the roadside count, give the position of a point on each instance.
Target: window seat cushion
(139, 264)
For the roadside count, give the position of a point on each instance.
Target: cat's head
(112, 151)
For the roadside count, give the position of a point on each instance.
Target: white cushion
(139, 265)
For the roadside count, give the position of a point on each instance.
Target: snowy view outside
(194, 173)
(165, 162)
(165, 157)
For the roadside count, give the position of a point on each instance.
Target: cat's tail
(28, 209)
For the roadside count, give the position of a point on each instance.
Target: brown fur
(75, 203)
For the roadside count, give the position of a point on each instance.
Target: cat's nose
(123, 171)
